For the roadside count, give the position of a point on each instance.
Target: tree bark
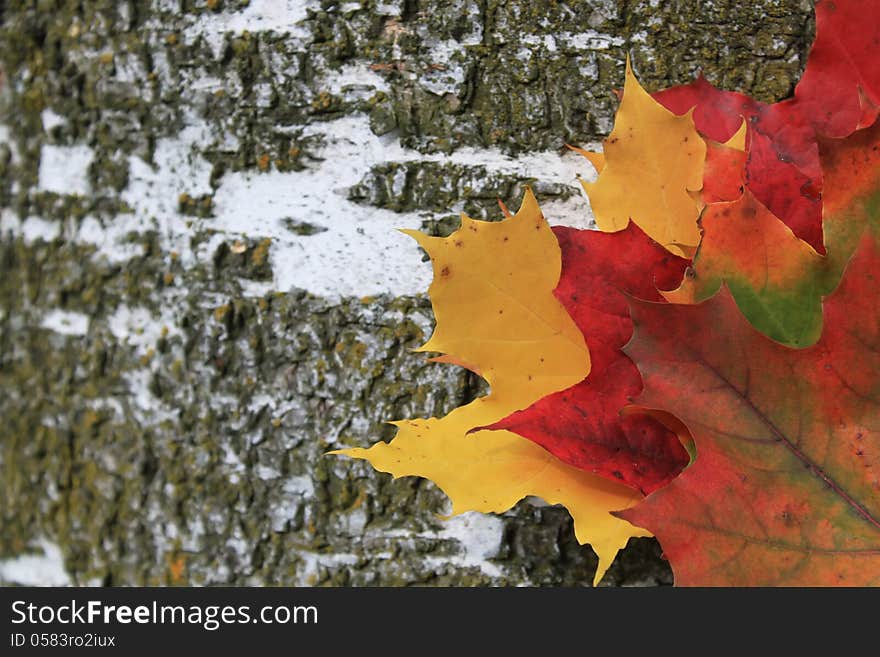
(202, 291)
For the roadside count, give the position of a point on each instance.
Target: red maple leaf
(839, 91)
(583, 425)
(783, 169)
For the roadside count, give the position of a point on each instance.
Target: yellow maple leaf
(737, 140)
(653, 161)
(496, 314)
(596, 158)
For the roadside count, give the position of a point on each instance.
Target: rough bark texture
(166, 396)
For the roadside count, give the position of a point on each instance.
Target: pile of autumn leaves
(705, 368)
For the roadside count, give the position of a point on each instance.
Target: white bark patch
(282, 16)
(46, 569)
(66, 322)
(65, 169)
(51, 119)
(359, 250)
(479, 537)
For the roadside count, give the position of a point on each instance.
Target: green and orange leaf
(776, 279)
(851, 201)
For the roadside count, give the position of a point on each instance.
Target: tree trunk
(202, 290)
